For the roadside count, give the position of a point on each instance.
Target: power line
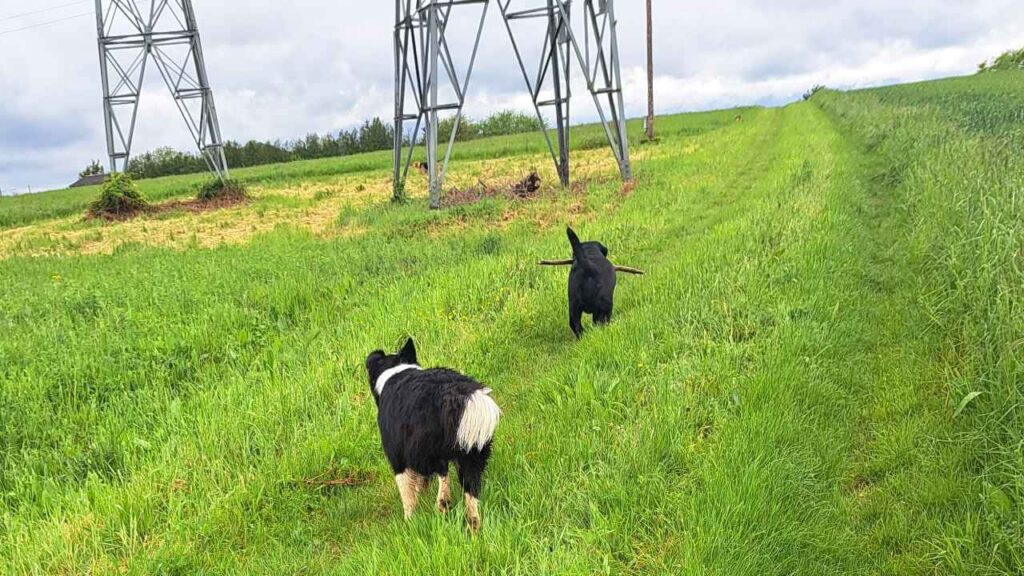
(41, 24)
(50, 9)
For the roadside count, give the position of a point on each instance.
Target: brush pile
(119, 199)
(528, 186)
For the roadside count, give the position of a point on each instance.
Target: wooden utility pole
(650, 73)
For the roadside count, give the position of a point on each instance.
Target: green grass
(826, 284)
(986, 104)
(954, 164)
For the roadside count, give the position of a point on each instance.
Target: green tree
(1009, 60)
(468, 130)
(92, 169)
(376, 135)
(165, 162)
(509, 122)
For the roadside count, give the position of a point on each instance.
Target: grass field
(820, 374)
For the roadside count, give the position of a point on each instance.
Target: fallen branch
(351, 480)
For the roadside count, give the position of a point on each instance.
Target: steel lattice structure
(131, 34)
(422, 54)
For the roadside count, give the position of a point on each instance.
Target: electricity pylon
(131, 34)
(424, 62)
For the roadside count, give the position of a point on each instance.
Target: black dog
(427, 419)
(591, 283)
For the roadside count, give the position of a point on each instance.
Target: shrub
(118, 197)
(814, 90)
(217, 189)
(1009, 60)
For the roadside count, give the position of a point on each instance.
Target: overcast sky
(284, 69)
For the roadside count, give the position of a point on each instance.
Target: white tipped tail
(479, 421)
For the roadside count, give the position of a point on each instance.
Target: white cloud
(312, 65)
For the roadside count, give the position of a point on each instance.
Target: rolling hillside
(820, 374)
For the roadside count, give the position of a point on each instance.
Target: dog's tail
(574, 240)
(479, 421)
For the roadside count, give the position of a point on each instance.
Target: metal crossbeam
(130, 35)
(422, 52)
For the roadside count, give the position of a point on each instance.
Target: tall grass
(951, 152)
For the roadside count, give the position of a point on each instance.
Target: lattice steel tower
(424, 63)
(133, 32)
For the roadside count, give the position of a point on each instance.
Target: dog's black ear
(373, 365)
(604, 249)
(573, 239)
(408, 352)
(373, 361)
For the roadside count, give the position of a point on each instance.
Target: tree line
(372, 136)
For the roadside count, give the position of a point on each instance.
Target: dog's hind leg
(473, 513)
(444, 494)
(603, 318)
(471, 474)
(576, 320)
(410, 484)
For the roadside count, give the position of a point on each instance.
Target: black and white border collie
(428, 419)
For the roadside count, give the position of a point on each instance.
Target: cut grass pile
(224, 191)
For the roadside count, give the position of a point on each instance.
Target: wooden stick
(623, 269)
(628, 270)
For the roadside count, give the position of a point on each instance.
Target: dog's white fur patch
(479, 420)
(386, 375)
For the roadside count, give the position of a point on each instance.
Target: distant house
(94, 180)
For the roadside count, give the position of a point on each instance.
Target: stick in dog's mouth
(629, 270)
(623, 269)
